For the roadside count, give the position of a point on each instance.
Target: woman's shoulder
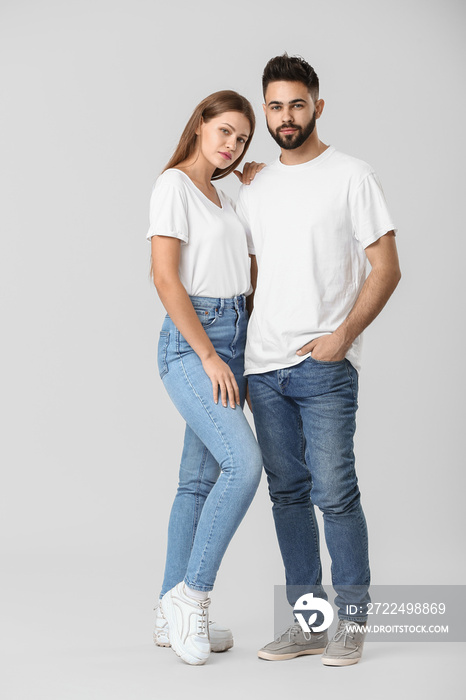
(171, 186)
(172, 177)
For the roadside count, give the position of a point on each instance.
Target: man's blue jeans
(305, 422)
(221, 463)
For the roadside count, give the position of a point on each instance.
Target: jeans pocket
(354, 379)
(162, 353)
(327, 362)
(207, 316)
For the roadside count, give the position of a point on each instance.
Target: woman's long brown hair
(212, 106)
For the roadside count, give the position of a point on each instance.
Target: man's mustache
(289, 126)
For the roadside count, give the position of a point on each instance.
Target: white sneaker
(221, 638)
(161, 638)
(188, 622)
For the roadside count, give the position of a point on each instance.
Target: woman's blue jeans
(221, 462)
(305, 418)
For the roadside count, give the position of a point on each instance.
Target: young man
(313, 217)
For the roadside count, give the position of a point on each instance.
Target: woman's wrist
(207, 354)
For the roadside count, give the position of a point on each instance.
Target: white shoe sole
(340, 662)
(161, 640)
(215, 648)
(268, 656)
(219, 647)
(158, 642)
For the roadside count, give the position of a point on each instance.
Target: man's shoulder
(261, 181)
(353, 167)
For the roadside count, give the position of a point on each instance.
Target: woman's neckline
(200, 191)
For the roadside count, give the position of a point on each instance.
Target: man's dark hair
(293, 69)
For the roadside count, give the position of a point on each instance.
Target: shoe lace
(344, 632)
(202, 618)
(292, 631)
(210, 622)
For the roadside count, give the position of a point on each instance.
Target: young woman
(201, 269)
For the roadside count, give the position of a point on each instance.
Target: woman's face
(223, 138)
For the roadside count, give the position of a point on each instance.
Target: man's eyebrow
(291, 102)
(246, 136)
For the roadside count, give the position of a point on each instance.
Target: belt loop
(221, 307)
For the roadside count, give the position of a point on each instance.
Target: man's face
(290, 113)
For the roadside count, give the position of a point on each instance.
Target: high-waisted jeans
(221, 462)
(305, 417)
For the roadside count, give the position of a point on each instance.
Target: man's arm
(376, 291)
(249, 307)
(250, 297)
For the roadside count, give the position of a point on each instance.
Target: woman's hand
(250, 171)
(221, 376)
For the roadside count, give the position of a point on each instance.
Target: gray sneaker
(346, 646)
(294, 642)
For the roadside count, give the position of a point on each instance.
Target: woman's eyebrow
(233, 129)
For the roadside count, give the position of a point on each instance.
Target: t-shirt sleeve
(243, 214)
(168, 211)
(369, 213)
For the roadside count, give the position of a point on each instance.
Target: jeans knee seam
(310, 505)
(212, 528)
(197, 498)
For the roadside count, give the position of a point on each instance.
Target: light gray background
(94, 95)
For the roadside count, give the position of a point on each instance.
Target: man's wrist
(344, 337)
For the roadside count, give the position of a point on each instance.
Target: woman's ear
(198, 129)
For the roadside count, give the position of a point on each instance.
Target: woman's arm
(165, 262)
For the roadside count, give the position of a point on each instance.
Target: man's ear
(320, 104)
(264, 107)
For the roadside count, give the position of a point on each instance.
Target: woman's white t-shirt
(214, 259)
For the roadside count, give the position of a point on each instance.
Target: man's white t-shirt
(308, 225)
(214, 259)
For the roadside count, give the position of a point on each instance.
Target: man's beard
(291, 141)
